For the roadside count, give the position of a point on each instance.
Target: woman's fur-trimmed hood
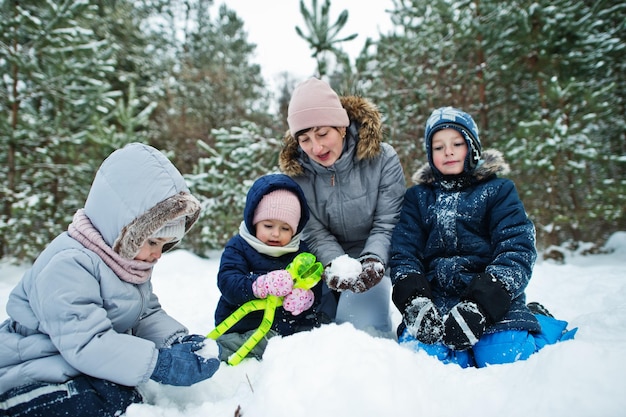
(363, 115)
(492, 162)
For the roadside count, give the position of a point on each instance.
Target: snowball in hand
(344, 267)
(209, 350)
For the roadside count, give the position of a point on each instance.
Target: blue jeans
(81, 396)
(497, 348)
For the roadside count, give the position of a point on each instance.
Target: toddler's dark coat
(241, 265)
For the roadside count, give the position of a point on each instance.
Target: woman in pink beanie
(354, 185)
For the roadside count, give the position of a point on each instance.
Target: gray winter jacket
(71, 314)
(355, 203)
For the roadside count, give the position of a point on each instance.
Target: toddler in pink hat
(276, 217)
(254, 260)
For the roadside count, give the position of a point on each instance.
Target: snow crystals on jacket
(452, 232)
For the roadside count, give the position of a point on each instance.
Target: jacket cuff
(409, 287)
(370, 256)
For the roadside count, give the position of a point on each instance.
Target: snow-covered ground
(340, 371)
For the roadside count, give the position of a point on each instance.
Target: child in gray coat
(84, 326)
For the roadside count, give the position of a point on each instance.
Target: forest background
(544, 79)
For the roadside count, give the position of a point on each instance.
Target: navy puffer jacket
(452, 232)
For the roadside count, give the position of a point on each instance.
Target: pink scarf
(129, 270)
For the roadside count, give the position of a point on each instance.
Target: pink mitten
(298, 301)
(279, 283)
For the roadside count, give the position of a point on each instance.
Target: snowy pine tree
(545, 83)
(560, 114)
(221, 182)
(54, 69)
(209, 84)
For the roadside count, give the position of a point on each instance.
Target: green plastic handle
(266, 324)
(306, 273)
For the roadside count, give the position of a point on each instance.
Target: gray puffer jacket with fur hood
(71, 314)
(355, 203)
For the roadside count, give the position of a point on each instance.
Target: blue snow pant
(78, 397)
(497, 348)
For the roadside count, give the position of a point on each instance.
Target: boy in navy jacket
(463, 253)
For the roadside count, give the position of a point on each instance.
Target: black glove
(464, 325)
(423, 321)
(485, 303)
(180, 366)
(413, 297)
(372, 273)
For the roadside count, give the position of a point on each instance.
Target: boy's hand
(423, 321)
(464, 325)
(413, 297)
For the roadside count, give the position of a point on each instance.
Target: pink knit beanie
(280, 205)
(313, 103)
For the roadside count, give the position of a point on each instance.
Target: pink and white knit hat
(280, 205)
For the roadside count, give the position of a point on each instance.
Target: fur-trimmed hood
(136, 191)
(365, 127)
(492, 162)
(135, 234)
